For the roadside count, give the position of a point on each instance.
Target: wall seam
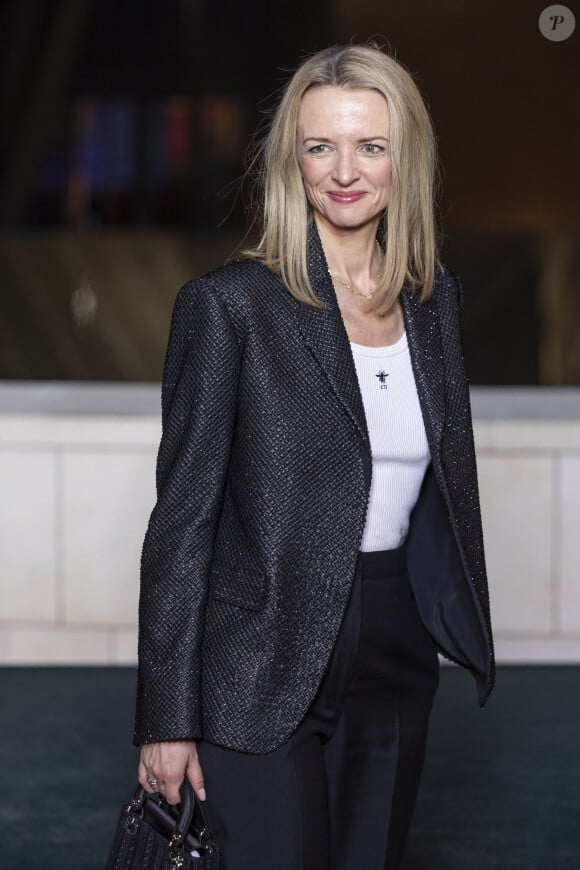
(59, 544)
(556, 544)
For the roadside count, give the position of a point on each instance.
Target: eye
(374, 150)
(315, 150)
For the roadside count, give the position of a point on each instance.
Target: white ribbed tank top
(399, 448)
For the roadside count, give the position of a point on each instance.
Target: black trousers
(340, 793)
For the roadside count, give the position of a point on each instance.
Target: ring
(152, 781)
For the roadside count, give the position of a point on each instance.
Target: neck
(352, 254)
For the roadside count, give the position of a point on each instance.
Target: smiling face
(343, 153)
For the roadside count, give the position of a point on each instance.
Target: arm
(459, 460)
(198, 410)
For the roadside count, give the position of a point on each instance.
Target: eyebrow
(327, 141)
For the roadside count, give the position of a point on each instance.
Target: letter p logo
(557, 23)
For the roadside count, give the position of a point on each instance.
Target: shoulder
(448, 287)
(237, 286)
(235, 279)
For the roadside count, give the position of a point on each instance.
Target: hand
(168, 763)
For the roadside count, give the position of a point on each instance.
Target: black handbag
(153, 835)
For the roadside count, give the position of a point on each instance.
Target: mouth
(345, 197)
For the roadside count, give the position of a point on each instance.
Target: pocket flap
(240, 586)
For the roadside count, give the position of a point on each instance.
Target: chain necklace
(361, 296)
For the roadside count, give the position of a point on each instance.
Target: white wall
(77, 485)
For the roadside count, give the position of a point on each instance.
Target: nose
(345, 169)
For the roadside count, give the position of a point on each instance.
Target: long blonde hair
(411, 248)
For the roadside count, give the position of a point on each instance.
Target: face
(344, 157)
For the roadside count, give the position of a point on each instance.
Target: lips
(345, 197)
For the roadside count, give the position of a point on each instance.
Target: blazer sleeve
(198, 397)
(458, 453)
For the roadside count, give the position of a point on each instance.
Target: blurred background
(123, 127)
(124, 124)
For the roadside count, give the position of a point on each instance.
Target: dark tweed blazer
(263, 477)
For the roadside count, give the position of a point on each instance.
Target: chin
(342, 222)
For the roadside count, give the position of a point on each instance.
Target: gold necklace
(360, 295)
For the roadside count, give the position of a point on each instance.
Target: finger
(196, 778)
(171, 790)
(146, 766)
(173, 775)
(143, 778)
(148, 780)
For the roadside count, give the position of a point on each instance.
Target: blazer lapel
(424, 337)
(324, 333)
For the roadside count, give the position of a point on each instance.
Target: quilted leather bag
(153, 835)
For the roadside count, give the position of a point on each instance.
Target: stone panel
(28, 526)
(108, 498)
(516, 497)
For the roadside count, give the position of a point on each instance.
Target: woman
(317, 536)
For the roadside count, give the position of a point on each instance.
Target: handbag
(153, 835)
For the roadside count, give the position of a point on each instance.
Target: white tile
(547, 649)
(482, 435)
(27, 534)
(108, 499)
(516, 504)
(88, 429)
(52, 645)
(569, 468)
(124, 642)
(534, 434)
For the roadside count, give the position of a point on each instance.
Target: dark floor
(501, 786)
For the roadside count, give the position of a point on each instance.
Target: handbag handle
(188, 794)
(183, 814)
(189, 807)
(188, 810)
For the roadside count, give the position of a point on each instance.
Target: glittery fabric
(436, 345)
(263, 476)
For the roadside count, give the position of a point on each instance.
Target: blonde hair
(408, 224)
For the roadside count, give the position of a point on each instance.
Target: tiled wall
(530, 491)
(75, 498)
(76, 491)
